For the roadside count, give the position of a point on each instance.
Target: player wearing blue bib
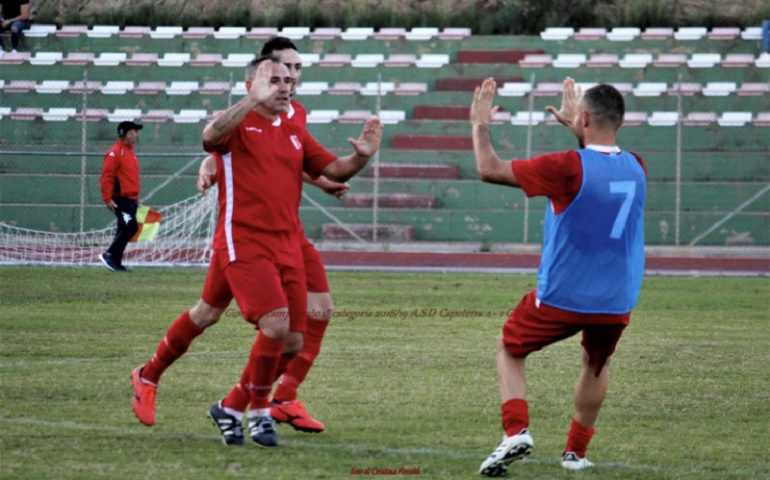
(592, 259)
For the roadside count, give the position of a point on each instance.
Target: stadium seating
(142, 73)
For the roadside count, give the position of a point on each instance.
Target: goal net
(184, 238)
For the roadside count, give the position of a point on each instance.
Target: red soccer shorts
(314, 268)
(259, 286)
(530, 328)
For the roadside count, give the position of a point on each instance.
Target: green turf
(688, 396)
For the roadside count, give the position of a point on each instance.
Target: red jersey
(120, 173)
(296, 114)
(259, 174)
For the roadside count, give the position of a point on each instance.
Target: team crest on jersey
(295, 141)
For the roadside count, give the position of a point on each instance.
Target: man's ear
(585, 119)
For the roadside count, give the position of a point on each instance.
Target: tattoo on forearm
(226, 120)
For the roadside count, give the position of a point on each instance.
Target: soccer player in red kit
(257, 252)
(591, 266)
(299, 351)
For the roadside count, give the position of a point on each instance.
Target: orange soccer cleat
(143, 400)
(295, 415)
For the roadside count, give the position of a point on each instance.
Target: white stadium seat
(421, 33)
(663, 119)
(650, 89)
(734, 119)
(309, 59)
(719, 89)
(166, 33)
(4, 111)
(623, 34)
(569, 60)
(322, 116)
(704, 60)
(173, 59)
(124, 114)
(514, 89)
(117, 87)
(690, 33)
(411, 88)
(367, 60)
(372, 88)
(39, 30)
(190, 116)
(432, 60)
(392, 117)
(110, 59)
(312, 88)
(752, 33)
(635, 60)
(229, 33)
(239, 89)
(157, 116)
(557, 33)
(103, 31)
(454, 33)
(46, 58)
(59, 114)
(295, 33)
(240, 60)
(527, 118)
(357, 33)
(182, 88)
(52, 86)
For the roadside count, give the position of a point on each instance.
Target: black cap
(124, 127)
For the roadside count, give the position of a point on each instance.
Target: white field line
(352, 447)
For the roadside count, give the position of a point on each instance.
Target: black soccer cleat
(229, 427)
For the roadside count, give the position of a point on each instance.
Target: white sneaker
(571, 461)
(510, 449)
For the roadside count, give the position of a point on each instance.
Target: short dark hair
(606, 105)
(251, 68)
(276, 44)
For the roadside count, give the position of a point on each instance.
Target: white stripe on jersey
(227, 159)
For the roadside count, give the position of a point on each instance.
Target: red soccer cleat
(143, 400)
(295, 415)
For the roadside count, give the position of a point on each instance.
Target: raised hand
(570, 98)
(369, 141)
(482, 110)
(261, 87)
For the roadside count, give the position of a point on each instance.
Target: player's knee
(294, 343)
(204, 315)
(320, 305)
(275, 324)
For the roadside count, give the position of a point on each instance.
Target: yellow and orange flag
(149, 223)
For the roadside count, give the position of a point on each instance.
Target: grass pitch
(406, 381)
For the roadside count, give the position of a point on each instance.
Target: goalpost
(184, 239)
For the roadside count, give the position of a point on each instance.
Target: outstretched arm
(331, 187)
(364, 147)
(490, 167)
